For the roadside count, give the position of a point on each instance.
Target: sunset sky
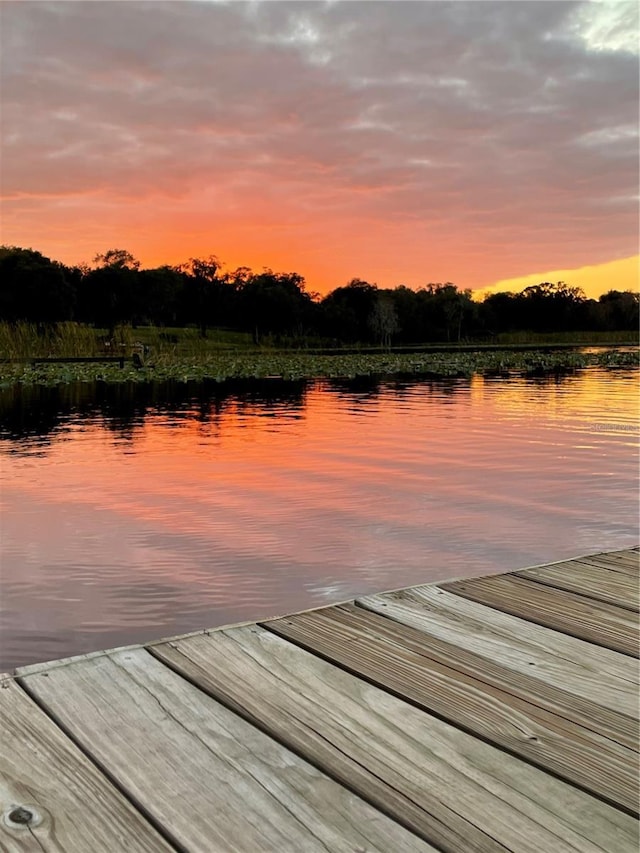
(488, 144)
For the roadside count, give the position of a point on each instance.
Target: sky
(490, 144)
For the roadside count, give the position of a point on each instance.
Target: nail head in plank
(215, 780)
(52, 796)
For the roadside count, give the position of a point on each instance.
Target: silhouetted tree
(34, 288)
(117, 259)
(619, 310)
(383, 319)
(210, 294)
(274, 303)
(503, 312)
(450, 306)
(409, 312)
(160, 295)
(110, 291)
(552, 306)
(346, 311)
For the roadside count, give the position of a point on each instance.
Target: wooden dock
(492, 714)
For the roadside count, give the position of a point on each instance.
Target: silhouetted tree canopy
(203, 293)
(346, 311)
(619, 310)
(33, 287)
(276, 305)
(117, 259)
(110, 291)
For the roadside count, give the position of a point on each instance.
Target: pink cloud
(412, 141)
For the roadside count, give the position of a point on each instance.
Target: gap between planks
(449, 683)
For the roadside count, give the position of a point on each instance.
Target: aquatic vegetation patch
(301, 365)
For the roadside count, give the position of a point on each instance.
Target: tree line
(115, 290)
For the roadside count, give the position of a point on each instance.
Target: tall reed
(67, 340)
(25, 340)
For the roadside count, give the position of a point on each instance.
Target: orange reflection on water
(122, 529)
(579, 401)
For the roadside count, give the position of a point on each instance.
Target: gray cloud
(464, 119)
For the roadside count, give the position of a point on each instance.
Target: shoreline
(297, 364)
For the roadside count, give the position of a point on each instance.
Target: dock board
(492, 714)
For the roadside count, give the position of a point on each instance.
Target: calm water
(131, 514)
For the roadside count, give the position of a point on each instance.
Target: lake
(131, 513)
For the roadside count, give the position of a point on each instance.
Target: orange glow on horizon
(339, 142)
(324, 267)
(594, 280)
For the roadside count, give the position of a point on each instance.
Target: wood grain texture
(592, 581)
(620, 568)
(622, 553)
(625, 563)
(451, 788)
(593, 621)
(77, 808)
(483, 698)
(217, 782)
(603, 678)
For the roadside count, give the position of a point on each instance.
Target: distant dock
(491, 714)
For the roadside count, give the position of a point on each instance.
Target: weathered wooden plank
(592, 581)
(469, 692)
(599, 676)
(218, 782)
(75, 808)
(621, 552)
(631, 555)
(596, 622)
(628, 556)
(628, 564)
(450, 787)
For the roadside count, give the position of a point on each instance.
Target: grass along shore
(25, 340)
(182, 355)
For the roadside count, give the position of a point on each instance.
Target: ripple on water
(126, 519)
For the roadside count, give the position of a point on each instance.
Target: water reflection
(31, 417)
(134, 512)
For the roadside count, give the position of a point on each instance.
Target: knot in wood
(20, 815)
